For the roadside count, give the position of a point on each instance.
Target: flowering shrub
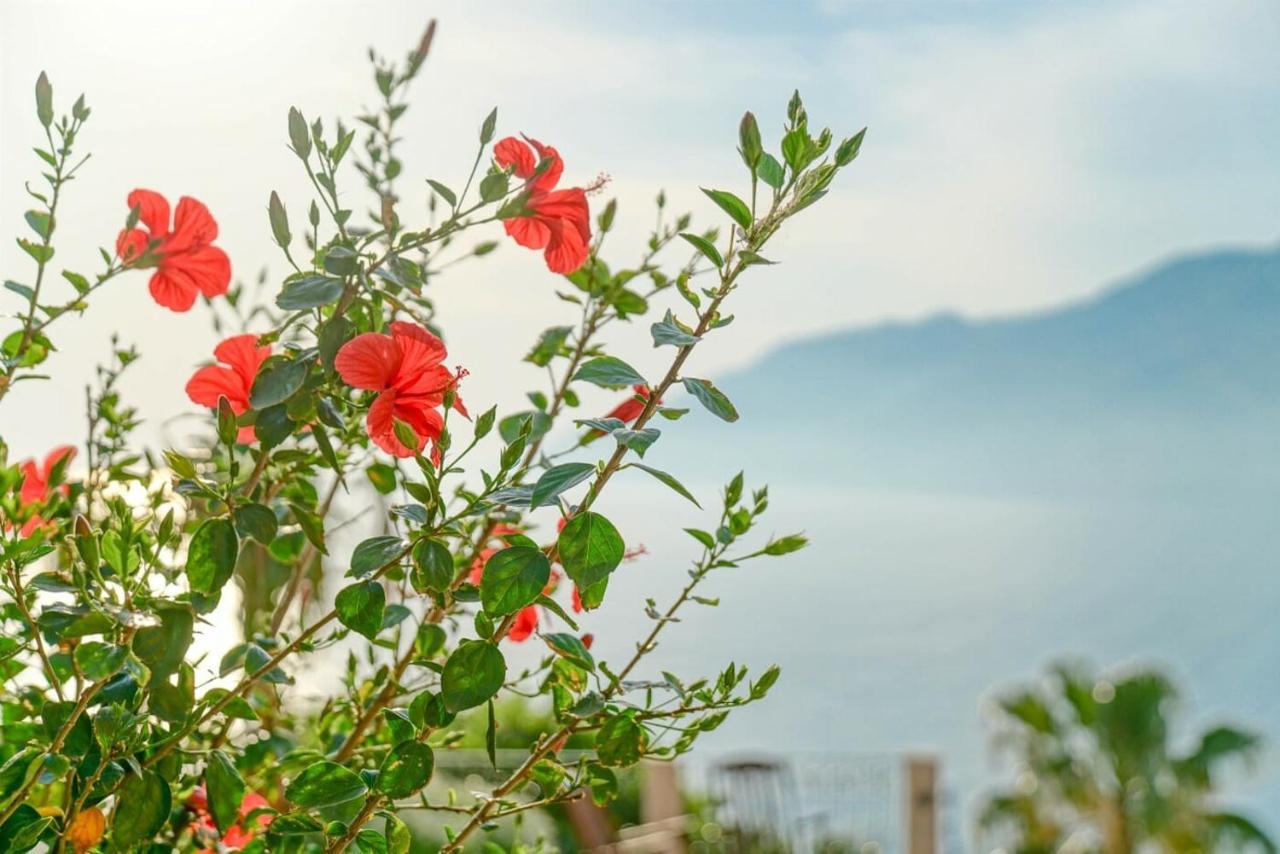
(115, 734)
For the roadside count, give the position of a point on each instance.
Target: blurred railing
(826, 802)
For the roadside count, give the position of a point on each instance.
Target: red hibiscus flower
(241, 356)
(237, 836)
(406, 370)
(185, 258)
(558, 221)
(525, 623)
(36, 488)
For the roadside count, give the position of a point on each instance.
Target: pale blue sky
(1020, 154)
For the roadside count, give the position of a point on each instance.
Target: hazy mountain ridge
(1171, 378)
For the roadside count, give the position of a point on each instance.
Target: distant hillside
(1169, 381)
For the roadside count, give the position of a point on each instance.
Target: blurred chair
(758, 807)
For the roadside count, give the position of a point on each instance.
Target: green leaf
(785, 545)
(211, 556)
(309, 292)
(432, 566)
(142, 809)
(621, 742)
(99, 660)
(39, 222)
(512, 579)
(732, 205)
(406, 769)
(609, 372)
(602, 782)
(669, 481)
(493, 186)
(558, 479)
(44, 100)
(474, 673)
(590, 548)
(549, 344)
(849, 149)
(770, 171)
(225, 790)
(637, 440)
(571, 647)
(299, 134)
(706, 247)
(279, 219)
(491, 737)
(444, 192)
(277, 383)
(325, 784)
(256, 521)
(711, 397)
(383, 477)
(668, 332)
(360, 607)
(374, 553)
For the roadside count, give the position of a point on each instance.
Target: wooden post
(922, 805)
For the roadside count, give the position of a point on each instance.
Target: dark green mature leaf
(163, 647)
(309, 292)
(293, 824)
(141, 810)
(273, 426)
(488, 126)
(711, 397)
(444, 192)
(360, 607)
(558, 479)
(225, 790)
(610, 372)
(211, 556)
(669, 481)
(374, 553)
(257, 521)
(512, 579)
(590, 548)
(406, 769)
(621, 741)
(570, 647)
(732, 205)
(22, 830)
(325, 784)
(432, 566)
(79, 739)
(277, 383)
(706, 247)
(99, 660)
(474, 673)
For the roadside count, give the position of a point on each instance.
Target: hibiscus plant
(116, 734)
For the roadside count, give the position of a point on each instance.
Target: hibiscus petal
(56, 456)
(153, 211)
(420, 350)
(206, 268)
(381, 425)
(368, 361)
(193, 225)
(432, 382)
(132, 244)
(568, 205)
(34, 485)
(529, 231)
(244, 355)
(567, 250)
(548, 179)
(511, 152)
(173, 293)
(526, 621)
(213, 381)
